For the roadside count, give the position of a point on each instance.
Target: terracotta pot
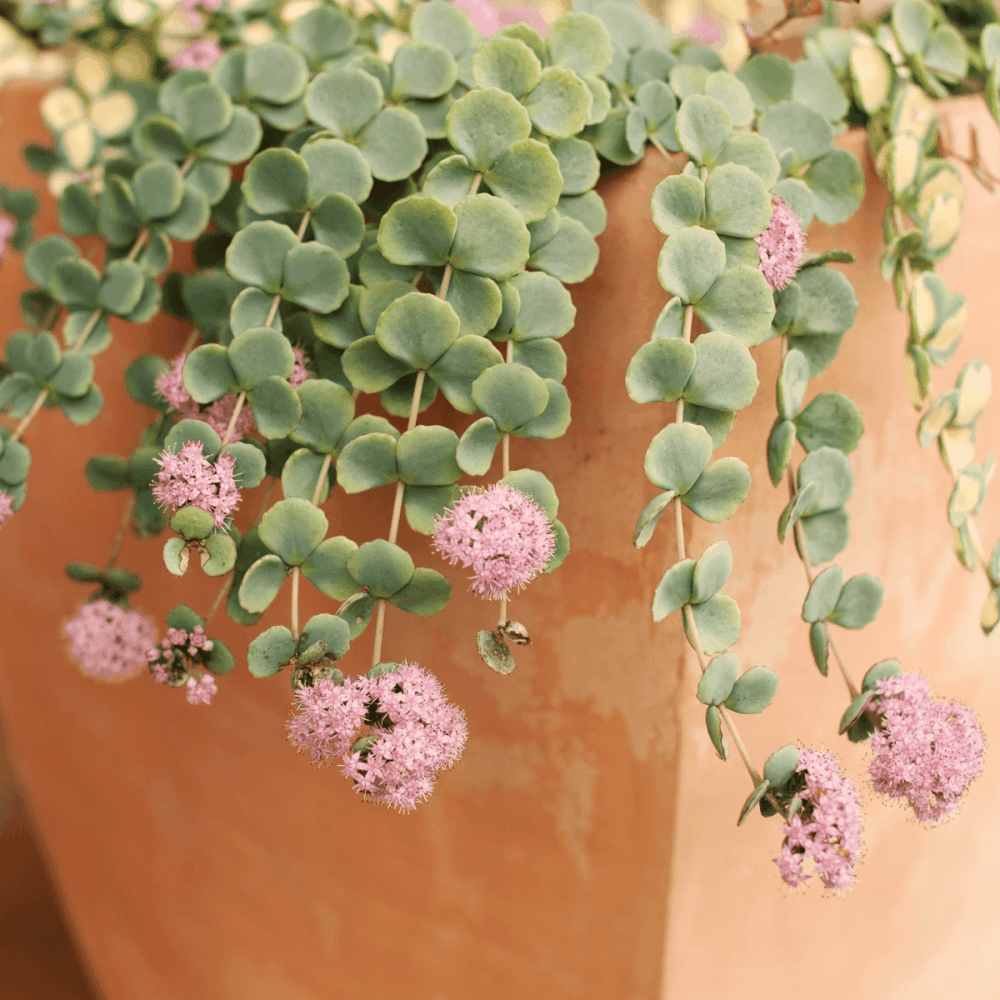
(200, 857)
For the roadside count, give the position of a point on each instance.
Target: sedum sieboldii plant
(395, 206)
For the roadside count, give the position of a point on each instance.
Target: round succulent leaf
(477, 301)
(553, 421)
(724, 376)
(506, 64)
(687, 79)
(275, 181)
(536, 485)
(674, 589)
(733, 95)
(366, 462)
(580, 42)
(75, 283)
(511, 395)
(720, 489)
(450, 180)
(326, 568)
(417, 231)
(571, 255)
(335, 167)
(677, 456)
(327, 410)
(323, 32)
(795, 508)
(238, 142)
(192, 523)
(494, 652)
(191, 218)
(425, 456)
(740, 303)
(315, 277)
(202, 111)
(711, 571)
(251, 309)
(797, 195)
(422, 504)
(974, 385)
(275, 406)
(872, 77)
(816, 86)
(292, 529)
(331, 630)
(457, 370)
(831, 419)
(257, 254)
(837, 185)
(249, 466)
(718, 624)
(793, 380)
(176, 556)
(417, 329)
(717, 681)
(578, 164)
(343, 100)
(678, 201)
(829, 469)
(659, 370)
(880, 672)
(192, 430)
(275, 73)
(43, 256)
(158, 188)
(792, 125)
(301, 473)
(426, 593)
(381, 567)
(104, 472)
(476, 448)
(545, 307)
(261, 583)
(208, 374)
(858, 603)
(559, 105)
(855, 710)
(491, 238)
(826, 303)
(703, 127)
(370, 368)
(270, 651)
(690, 262)
(823, 595)
(826, 534)
(484, 124)
(394, 144)
(713, 722)
(780, 767)
(82, 410)
(218, 556)
(670, 322)
(43, 357)
(718, 423)
(527, 175)
(753, 692)
(124, 282)
(736, 201)
(649, 517)
(610, 138)
(257, 354)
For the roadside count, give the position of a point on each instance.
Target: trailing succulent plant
(395, 205)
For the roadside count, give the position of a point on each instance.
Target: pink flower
(202, 53)
(6, 506)
(485, 15)
(926, 751)
(190, 7)
(781, 246)
(170, 385)
(300, 373)
(414, 731)
(190, 479)
(7, 229)
(200, 692)
(704, 30)
(109, 642)
(502, 533)
(827, 827)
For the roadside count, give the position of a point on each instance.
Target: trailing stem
(397, 503)
(505, 451)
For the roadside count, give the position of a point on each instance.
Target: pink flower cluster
(926, 751)
(414, 731)
(6, 506)
(489, 19)
(502, 533)
(190, 6)
(827, 828)
(7, 229)
(108, 641)
(190, 479)
(781, 246)
(170, 385)
(202, 53)
(171, 663)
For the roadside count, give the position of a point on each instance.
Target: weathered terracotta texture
(201, 858)
(922, 921)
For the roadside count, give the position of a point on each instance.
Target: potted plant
(395, 206)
